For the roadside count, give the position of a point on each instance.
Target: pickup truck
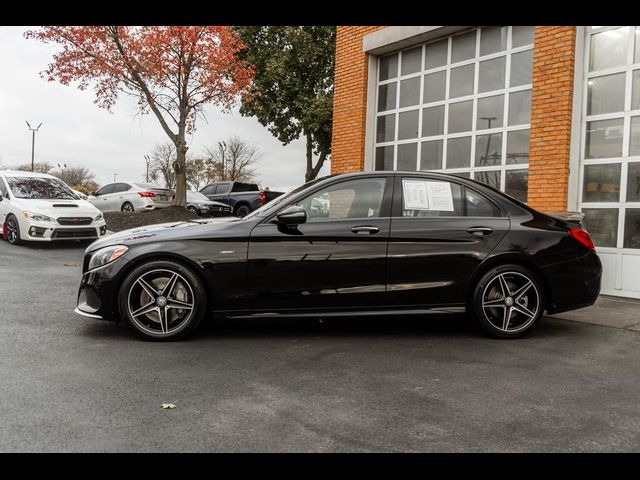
(244, 198)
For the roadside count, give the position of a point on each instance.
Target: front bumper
(53, 231)
(98, 290)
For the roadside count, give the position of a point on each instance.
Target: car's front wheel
(507, 301)
(162, 300)
(13, 230)
(194, 210)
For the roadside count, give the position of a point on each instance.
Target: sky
(77, 132)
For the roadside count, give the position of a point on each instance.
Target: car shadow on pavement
(441, 326)
(53, 246)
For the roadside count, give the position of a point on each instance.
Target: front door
(440, 232)
(335, 260)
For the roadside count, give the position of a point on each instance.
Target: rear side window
(431, 198)
(245, 187)
(478, 205)
(121, 187)
(438, 198)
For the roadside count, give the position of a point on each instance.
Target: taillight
(263, 198)
(147, 194)
(582, 236)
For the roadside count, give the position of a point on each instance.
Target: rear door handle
(365, 230)
(480, 231)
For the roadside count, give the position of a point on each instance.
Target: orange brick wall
(349, 99)
(551, 107)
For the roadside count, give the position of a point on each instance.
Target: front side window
(107, 189)
(40, 188)
(351, 199)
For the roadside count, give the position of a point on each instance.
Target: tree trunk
(312, 172)
(180, 169)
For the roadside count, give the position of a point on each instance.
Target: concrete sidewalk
(616, 312)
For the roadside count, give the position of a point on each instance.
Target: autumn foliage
(172, 70)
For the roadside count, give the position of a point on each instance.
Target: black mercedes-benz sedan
(390, 242)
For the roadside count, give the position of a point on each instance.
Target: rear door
(440, 232)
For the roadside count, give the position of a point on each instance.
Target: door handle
(480, 231)
(365, 230)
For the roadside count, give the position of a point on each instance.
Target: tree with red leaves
(173, 71)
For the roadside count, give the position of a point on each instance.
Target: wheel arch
(166, 256)
(241, 203)
(509, 259)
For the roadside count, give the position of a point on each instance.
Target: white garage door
(610, 154)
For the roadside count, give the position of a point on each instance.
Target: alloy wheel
(12, 231)
(510, 302)
(127, 207)
(161, 302)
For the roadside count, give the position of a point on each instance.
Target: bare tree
(161, 166)
(236, 159)
(39, 167)
(201, 171)
(75, 176)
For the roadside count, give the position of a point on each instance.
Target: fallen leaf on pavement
(168, 405)
(70, 265)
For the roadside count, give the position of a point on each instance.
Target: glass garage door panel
(610, 163)
(461, 104)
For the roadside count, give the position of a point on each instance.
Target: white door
(609, 191)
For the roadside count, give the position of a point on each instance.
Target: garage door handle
(480, 231)
(365, 230)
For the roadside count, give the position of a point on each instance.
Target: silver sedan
(131, 197)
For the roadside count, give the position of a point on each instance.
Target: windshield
(40, 188)
(268, 207)
(196, 197)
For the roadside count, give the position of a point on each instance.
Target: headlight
(36, 216)
(106, 255)
(99, 217)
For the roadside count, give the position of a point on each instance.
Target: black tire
(178, 323)
(243, 211)
(509, 295)
(194, 210)
(127, 207)
(13, 230)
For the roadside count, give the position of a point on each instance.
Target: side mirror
(292, 215)
(94, 194)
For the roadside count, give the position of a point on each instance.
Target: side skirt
(346, 313)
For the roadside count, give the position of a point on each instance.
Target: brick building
(550, 115)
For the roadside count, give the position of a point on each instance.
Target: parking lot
(369, 384)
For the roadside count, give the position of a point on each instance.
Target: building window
(462, 105)
(610, 173)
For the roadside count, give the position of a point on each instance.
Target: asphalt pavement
(380, 384)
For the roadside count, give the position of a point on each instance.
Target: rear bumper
(573, 284)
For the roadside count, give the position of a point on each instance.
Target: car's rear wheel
(242, 211)
(13, 230)
(507, 301)
(162, 300)
(127, 207)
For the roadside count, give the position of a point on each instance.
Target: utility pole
(148, 160)
(114, 177)
(33, 143)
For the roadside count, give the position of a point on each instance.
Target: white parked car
(80, 194)
(131, 197)
(40, 207)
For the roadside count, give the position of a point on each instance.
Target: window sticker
(440, 196)
(415, 195)
(424, 195)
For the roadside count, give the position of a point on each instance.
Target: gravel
(117, 221)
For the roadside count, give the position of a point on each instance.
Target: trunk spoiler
(572, 217)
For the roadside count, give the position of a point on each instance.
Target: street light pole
(33, 143)
(148, 160)
(114, 177)
(223, 149)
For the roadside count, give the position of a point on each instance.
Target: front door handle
(365, 230)
(480, 231)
